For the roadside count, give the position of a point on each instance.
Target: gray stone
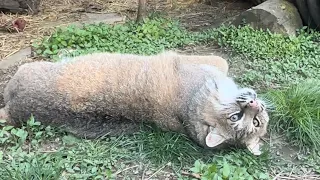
(105, 18)
(15, 58)
(10, 65)
(20, 6)
(279, 16)
(90, 18)
(94, 18)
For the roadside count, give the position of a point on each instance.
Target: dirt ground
(202, 16)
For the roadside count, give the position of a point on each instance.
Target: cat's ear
(254, 146)
(213, 138)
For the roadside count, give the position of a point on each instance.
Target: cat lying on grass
(111, 94)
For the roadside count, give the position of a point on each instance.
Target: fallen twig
(118, 172)
(158, 171)
(194, 175)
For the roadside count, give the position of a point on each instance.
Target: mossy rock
(278, 16)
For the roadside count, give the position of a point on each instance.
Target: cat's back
(195, 76)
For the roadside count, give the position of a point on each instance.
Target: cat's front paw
(254, 148)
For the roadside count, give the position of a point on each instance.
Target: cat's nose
(253, 104)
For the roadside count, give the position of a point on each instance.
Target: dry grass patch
(59, 12)
(52, 13)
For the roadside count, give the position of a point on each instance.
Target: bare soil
(210, 15)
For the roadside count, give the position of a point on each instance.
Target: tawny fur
(104, 93)
(220, 63)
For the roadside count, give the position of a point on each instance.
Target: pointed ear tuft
(213, 139)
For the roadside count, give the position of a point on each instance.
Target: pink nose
(253, 104)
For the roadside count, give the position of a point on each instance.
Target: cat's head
(243, 119)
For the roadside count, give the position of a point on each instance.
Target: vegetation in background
(151, 36)
(271, 59)
(296, 113)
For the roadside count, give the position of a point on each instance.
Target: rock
(15, 58)
(256, 2)
(108, 18)
(279, 16)
(304, 11)
(91, 18)
(314, 8)
(10, 65)
(20, 6)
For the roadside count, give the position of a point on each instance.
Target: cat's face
(242, 120)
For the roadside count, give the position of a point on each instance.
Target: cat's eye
(236, 116)
(256, 122)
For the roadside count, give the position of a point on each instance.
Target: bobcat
(111, 94)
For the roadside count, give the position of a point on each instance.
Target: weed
(32, 166)
(221, 168)
(150, 37)
(32, 132)
(271, 59)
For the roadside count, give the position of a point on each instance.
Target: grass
(270, 60)
(297, 113)
(74, 158)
